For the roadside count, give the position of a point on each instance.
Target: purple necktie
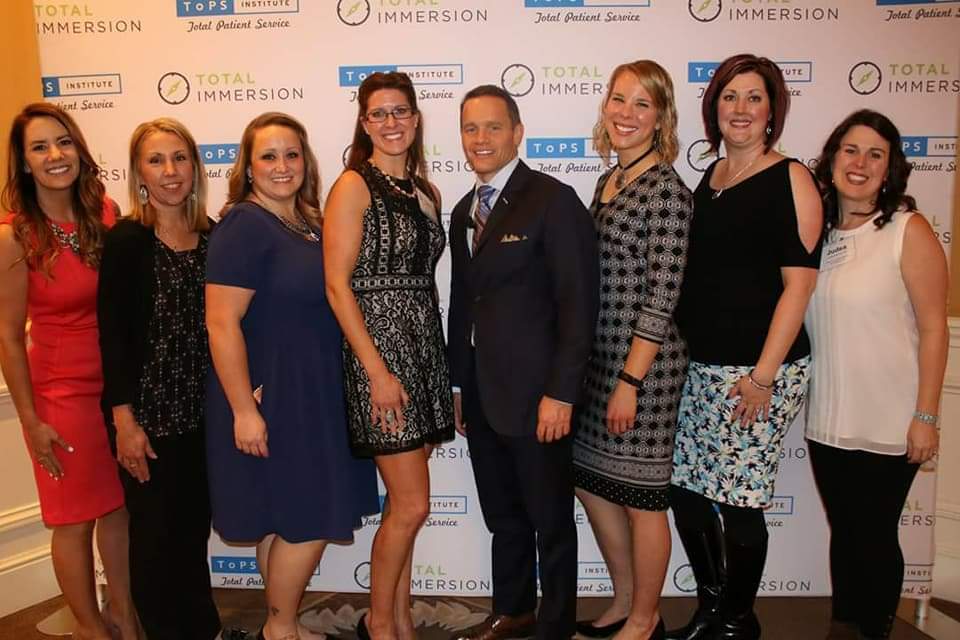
(484, 194)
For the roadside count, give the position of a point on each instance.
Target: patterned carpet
(438, 618)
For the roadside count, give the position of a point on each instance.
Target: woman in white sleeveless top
(877, 324)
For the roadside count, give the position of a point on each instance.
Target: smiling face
(860, 168)
(394, 135)
(489, 138)
(630, 117)
(50, 155)
(276, 165)
(166, 169)
(743, 111)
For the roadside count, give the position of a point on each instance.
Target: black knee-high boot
(704, 549)
(744, 567)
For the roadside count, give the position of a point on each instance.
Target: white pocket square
(512, 237)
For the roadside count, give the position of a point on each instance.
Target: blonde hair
(658, 84)
(197, 200)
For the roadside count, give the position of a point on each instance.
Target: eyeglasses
(380, 115)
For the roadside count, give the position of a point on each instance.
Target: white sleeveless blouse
(864, 339)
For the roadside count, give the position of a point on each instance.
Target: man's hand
(553, 419)
(458, 414)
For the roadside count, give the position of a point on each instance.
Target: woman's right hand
(41, 438)
(250, 434)
(387, 400)
(133, 449)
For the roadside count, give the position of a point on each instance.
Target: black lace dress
(393, 282)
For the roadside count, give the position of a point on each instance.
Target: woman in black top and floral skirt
(751, 268)
(150, 307)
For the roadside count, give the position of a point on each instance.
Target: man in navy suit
(523, 308)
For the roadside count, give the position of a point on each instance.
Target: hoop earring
(143, 195)
(769, 130)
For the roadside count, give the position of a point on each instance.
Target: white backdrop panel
(215, 64)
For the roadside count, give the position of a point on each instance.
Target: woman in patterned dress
(623, 451)
(50, 247)
(153, 344)
(383, 238)
(751, 268)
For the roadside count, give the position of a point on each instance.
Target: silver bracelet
(926, 418)
(757, 385)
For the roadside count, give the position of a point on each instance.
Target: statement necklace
(621, 178)
(68, 240)
(410, 194)
(299, 227)
(716, 194)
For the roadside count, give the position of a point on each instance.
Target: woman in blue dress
(281, 473)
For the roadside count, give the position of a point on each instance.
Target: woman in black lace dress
(382, 241)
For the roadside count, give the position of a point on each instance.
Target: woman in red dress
(49, 252)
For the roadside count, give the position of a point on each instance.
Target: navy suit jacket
(529, 297)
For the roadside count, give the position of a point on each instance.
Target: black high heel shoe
(587, 629)
(362, 632)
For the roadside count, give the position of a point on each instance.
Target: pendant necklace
(716, 194)
(621, 178)
(301, 228)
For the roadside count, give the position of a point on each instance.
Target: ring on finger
(389, 415)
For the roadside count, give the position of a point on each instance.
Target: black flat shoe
(362, 632)
(588, 629)
(659, 632)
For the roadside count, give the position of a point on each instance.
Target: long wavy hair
(362, 146)
(240, 188)
(892, 195)
(30, 224)
(197, 200)
(656, 81)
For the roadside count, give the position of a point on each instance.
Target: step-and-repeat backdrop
(215, 64)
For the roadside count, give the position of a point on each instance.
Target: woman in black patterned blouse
(155, 358)
(624, 445)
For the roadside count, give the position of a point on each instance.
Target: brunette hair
(239, 187)
(30, 224)
(892, 195)
(658, 84)
(362, 146)
(777, 92)
(196, 212)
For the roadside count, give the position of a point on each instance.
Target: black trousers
(526, 495)
(863, 494)
(169, 530)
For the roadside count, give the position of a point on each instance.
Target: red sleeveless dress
(64, 356)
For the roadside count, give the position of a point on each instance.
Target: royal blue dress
(309, 487)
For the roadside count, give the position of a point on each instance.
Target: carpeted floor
(782, 618)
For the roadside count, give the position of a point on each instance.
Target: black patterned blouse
(170, 397)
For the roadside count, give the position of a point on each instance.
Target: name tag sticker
(838, 252)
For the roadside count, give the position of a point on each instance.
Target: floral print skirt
(720, 459)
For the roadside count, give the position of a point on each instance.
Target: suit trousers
(169, 530)
(863, 494)
(526, 495)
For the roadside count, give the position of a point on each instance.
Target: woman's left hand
(753, 404)
(621, 408)
(923, 441)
